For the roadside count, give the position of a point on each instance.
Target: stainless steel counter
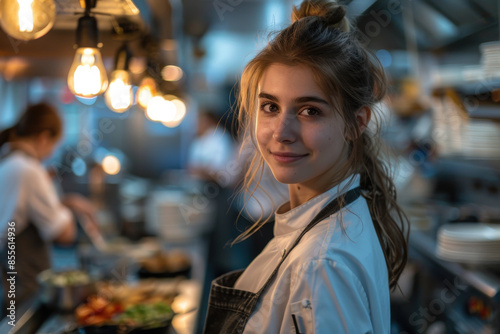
(34, 317)
(448, 293)
(481, 278)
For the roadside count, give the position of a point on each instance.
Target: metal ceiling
(441, 26)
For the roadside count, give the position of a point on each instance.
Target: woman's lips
(284, 157)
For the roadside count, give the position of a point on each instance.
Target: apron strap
(328, 210)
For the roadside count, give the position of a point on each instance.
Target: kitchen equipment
(118, 259)
(65, 290)
(465, 298)
(93, 233)
(177, 215)
(160, 329)
(165, 264)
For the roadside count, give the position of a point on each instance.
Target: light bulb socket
(122, 58)
(87, 34)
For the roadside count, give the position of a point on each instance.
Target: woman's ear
(363, 116)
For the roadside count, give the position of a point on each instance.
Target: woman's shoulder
(347, 238)
(349, 226)
(20, 164)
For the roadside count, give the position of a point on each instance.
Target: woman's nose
(284, 128)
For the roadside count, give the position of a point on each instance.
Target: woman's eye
(310, 112)
(269, 107)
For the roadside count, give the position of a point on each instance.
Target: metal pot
(64, 297)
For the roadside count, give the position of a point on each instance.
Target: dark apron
(32, 256)
(230, 308)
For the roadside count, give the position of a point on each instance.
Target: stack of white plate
(472, 243)
(490, 58)
(457, 135)
(480, 138)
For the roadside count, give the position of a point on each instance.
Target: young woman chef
(339, 242)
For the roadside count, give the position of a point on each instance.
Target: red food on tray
(97, 310)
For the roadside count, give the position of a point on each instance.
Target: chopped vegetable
(145, 305)
(151, 315)
(69, 278)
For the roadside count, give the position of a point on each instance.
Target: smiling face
(299, 134)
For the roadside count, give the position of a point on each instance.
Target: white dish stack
(471, 243)
(490, 59)
(480, 139)
(467, 137)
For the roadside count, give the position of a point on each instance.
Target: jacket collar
(300, 216)
(11, 147)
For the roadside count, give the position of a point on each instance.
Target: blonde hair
(320, 39)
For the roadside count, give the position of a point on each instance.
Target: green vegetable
(150, 315)
(69, 278)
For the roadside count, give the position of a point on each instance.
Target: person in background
(28, 200)
(209, 160)
(210, 151)
(340, 241)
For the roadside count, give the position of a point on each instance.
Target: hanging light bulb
(147, 90)
(111, 165)
(27, 19)
(174, 119)
(119, 95)
(171, 73)
(87, 76)
(154, 108)
(160, 110)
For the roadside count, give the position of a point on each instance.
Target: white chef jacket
(332, 282)
(28, 194)
(212, 151)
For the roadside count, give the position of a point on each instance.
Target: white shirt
(211, 151)
(333, 282)
(27, 194)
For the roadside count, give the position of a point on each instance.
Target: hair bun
(330, 11)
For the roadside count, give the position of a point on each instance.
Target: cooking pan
(64, 290)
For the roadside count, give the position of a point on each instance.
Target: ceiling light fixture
(171, 73)
(87, 76)
(147, 90)
(173, 119)
(119, 95)
(160, 110)
(27, 19)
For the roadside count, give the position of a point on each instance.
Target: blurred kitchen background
(441, 120)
